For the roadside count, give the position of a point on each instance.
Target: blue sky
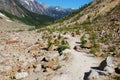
(65, 3)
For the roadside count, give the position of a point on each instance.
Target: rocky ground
(24, 55)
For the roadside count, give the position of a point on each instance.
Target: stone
(51, 48)
(38, 68)
(15, 68)
(107, 62)
(117, 70)
(110, 62)
(20, 75)
(45, 59)
(109, 69)
(94, 75)
(41, 44)
(12, 41)
(73, 34)
(77, 48)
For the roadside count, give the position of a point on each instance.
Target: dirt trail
(80, 64)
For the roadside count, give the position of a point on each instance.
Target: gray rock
(94, 75)
(20, 75)
(107, 62)
(109, 69)
(110, 62)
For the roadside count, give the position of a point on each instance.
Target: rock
(110, 62)
(94, 75)
(15, 68)
(2, 48)
(31, 60)
(45, 59)
(5, 68)
(38, 68)
(87, 45)
(77, 48)
(107, 62)
(73, 34)
(117, 70)
(12, 41)
(51, 48)
(109, 69)
(41, 44)
(20, 75)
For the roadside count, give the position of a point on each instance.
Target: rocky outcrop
(107, 68)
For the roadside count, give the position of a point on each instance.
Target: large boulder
(94, 75)
(107, 62)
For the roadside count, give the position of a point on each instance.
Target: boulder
(110, 62)
(107, 62)
(94, 75)
(20, 75)
(109, 69)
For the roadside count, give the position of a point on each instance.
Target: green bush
(62, 47)
(83, 41)
(56, 42)
(93, 51)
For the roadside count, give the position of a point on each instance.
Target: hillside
(15, 10)
(100, 21)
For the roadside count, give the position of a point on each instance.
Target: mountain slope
(100, 22)
(16, 11)
(91, 11)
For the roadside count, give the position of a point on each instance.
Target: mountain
(41, 8)
(11, 7)
(14, 10)
(58, 12)
(91, 11)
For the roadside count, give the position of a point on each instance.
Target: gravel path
(79, 65)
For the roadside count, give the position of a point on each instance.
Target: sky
(66, 3)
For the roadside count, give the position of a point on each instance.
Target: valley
(84, 45)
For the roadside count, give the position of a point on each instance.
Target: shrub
(95, 49)
(62, 47)
(49, 42)
(111, 49)
(83, 41)
(56, 42)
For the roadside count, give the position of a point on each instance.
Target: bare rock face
(20, 75)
